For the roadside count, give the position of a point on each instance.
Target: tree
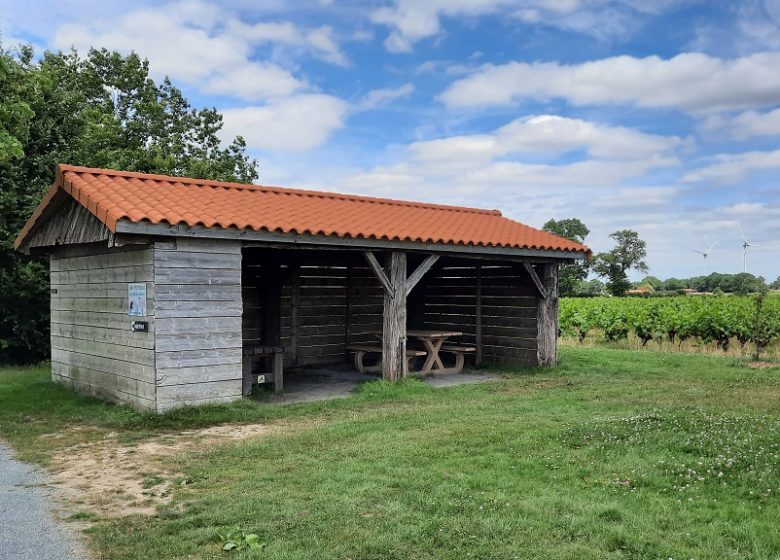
(629, 253)
(571, 276)
(651, 281)
(100, 111)
(775, 285)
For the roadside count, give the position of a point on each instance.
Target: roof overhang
(271, 238)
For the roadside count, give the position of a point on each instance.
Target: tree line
(611, 269)
(612, 266)
(100, 110)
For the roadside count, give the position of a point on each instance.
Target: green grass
(613, 454)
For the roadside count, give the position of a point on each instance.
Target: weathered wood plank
(547, 317)
(188, 309)
(169, 396)
(61, 376)
(138, 273)
(109, 365)
(175, 342)
(197, 260)
(95, 305)
(103, 260)
(133, 354)
(196, 292)
(380, 274)
(97, 291)
(143, 389)
(198, 325)
(214, 246)
(207, 277)
(199, 358)
(197, 374)
(71, 223)
(120, 337)
(167, 405)
(394, 365)
(421, 270)
(119, 321)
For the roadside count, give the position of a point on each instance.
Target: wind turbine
(705, 254)
(745, 246)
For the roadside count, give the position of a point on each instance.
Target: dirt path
(112, 479)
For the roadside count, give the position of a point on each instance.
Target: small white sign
(136, 300)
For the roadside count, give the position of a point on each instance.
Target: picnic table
(433, 341)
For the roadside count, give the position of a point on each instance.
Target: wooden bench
(361, 350)
(459, 352)
(274, 354)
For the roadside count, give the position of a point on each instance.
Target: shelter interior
(315, 303)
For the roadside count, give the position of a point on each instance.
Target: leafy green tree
(571, 276)
(775, 285)
(593, 287)
(651, 281)
(102, 110)
(629, 253)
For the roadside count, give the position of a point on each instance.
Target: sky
(662, 117)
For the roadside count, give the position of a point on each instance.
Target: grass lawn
(613, 454)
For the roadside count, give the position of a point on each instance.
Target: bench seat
(361, 350)
(457, 349)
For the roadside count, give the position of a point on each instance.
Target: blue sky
(663, 117)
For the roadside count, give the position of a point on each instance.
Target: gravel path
(28, 530)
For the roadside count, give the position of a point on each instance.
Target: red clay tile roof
(115, 195)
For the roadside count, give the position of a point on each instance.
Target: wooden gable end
(66, 223)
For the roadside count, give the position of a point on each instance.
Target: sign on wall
(136, 300)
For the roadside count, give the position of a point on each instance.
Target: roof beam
(417, 275)
(536, 280)
(360, 243)
(379, 273)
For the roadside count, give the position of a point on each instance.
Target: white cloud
(412, 20)
(292, 124)
(211, 50)
(536, 153)
(205, 47)
(690, 81)
(748, 124)
(252, 81)
(550, 134)
(383, 96)
(319, 41)
(732, 168)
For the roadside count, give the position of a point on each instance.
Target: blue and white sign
(136, 300)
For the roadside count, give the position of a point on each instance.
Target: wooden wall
(198, 322)
(69, 223)
(505, 320)
(93, 349)
(324, 307)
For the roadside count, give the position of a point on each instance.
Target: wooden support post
(278, 369)
(394, 364)
(272, 311)
(295, 305)
(547, 317)
(348, 311)
(271, 295)
(246, 384)
(478, 319)
(397, 287)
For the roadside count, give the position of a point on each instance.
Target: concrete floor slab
(322, 384)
